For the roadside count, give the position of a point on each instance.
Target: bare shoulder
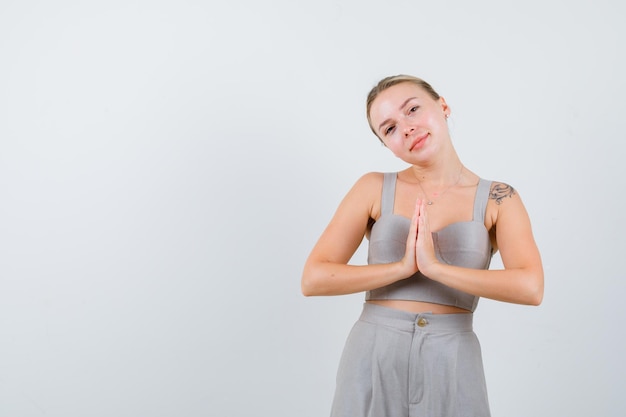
(371, 179)
(504, 203)
(368, 184)
(367, 190)
(501, 191)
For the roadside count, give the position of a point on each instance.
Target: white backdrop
(166, 167)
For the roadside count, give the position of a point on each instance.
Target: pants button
(422, 322)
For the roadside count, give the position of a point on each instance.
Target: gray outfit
(401, 364)
(465, 244)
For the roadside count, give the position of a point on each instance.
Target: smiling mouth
(418, 141)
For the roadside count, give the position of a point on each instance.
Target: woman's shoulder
(366, 192)
(370, 180)
(373, 175)
(500, 191)
(503, 202)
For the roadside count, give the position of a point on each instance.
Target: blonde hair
(387, 82)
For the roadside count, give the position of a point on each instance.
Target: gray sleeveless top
(464, 244)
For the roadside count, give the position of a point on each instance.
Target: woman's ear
(444, 107)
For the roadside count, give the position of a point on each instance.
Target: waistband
(425, 322)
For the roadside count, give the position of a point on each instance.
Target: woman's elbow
(305, 287)
(310, 289)
(536, 298)
(535, 290)
(308, 283)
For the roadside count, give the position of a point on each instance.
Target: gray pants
(400, 364)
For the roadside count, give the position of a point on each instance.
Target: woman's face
(409, 121)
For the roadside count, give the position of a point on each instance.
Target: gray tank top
(464, 244)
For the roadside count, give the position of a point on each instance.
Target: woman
(432, 231)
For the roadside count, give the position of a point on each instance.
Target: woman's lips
(418, 141)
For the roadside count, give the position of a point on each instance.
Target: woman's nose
(408, 130)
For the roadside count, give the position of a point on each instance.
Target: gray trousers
(401, 364)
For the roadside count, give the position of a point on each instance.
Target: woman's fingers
(410, 260)
(424, 248)
(414, 223)
(423, 224)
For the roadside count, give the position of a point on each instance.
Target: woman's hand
(409, 261)
(521, 280)
(327, 271)
(424, 247)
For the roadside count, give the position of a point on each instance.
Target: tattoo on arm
(499, 191)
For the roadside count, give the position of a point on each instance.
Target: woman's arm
(326, 271)
(521, 280)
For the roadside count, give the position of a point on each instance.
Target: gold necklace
(431, 202)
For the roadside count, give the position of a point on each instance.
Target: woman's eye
(389, 130)
(413, 109)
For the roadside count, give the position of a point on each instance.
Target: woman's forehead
(401, 90)
(395, 98)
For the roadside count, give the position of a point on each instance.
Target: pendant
(430, 203)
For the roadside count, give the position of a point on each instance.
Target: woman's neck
(439, 173)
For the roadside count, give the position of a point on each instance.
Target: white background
(166, 167)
